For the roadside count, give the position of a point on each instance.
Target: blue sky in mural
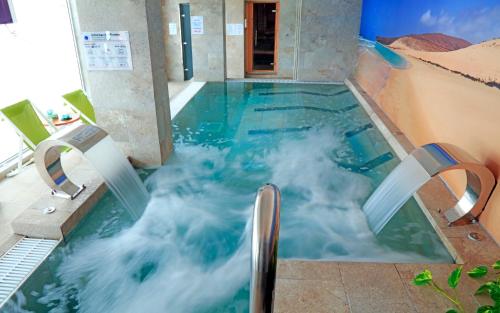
(473, 20)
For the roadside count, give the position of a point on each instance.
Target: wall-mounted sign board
(172, 29)
(234, 29)
(107, 51)
(197, 25)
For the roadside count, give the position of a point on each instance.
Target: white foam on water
(190, 250)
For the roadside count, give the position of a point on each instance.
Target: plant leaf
(495, 292)
(477, 272)
(485, 309)
(423, 279)
(454, 278)
(496, 266)
(484, 288)
(452, 311)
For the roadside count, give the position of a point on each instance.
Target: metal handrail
(264, 258)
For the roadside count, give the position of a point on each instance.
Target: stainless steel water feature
(265, 233)
(48, 156)
(437, 158)
(103, 154)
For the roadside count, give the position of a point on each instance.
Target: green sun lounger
(25, 120)
(80, 103)
(28, 126)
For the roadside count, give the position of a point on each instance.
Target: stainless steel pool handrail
(264, 258)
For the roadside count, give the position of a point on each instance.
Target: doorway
(261, 37)
(187, 51)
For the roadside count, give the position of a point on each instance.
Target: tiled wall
(324, 49)
(173, 43)
(209, 48)
(328, 39)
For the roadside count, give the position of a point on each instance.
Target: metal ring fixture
(437, 158)
(265, 233)
(81, 138)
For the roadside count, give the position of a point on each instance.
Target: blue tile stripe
(304, 93)
(381, 159)
(277, 130)
(358, 130)
(305, 107)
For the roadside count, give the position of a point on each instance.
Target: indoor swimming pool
(190, 251)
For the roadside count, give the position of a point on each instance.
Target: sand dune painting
(450, 90)
(460, 36)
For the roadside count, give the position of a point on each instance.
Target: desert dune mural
(452, 81)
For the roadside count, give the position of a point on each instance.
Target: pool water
(190, 250)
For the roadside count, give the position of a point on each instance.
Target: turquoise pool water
(190, 250)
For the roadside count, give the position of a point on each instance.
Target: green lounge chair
(24, 118)
(80, 103)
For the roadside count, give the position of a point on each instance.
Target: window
(38, 61)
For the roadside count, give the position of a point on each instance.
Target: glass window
(38, 61)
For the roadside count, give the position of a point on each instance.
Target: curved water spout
(418, 168)
(100, 150)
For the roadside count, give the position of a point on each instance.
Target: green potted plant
(491, 287)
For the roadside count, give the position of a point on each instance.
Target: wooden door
(249, 37)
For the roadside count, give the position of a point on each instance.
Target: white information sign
(172, 29)
(107, 51)
(197, 25)
(234, 29)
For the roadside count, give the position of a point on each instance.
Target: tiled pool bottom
(189, 253)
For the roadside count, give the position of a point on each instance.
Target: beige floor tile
(309, 296)
(374, 288)
(313, 270)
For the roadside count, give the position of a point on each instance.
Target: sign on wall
(197, 25)
(107, 51)
(172, 29)
(234, 29)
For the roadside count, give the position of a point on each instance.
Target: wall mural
(447, 33)
(433, 66)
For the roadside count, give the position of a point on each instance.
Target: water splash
(190, 251)
(119, 175)
(393, 193)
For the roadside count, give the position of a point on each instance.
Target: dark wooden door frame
(249, 37)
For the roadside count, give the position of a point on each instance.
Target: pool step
(19, 262)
